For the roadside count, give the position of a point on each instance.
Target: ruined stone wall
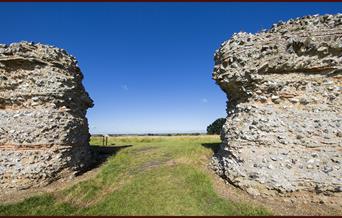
(43, 129)
(283, 132)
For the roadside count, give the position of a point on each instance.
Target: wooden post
(103, 140)
(106, 140)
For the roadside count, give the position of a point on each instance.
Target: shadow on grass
(213, 146)
(100, 154)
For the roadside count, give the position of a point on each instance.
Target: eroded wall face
(43, 129)
(283, 132)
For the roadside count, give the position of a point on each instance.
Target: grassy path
(154, 176)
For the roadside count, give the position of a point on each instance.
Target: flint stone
(283, 64)
(44, 129)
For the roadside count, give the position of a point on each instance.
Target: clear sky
(147, 66)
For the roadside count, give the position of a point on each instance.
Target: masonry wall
(43, 127)
(283, 132)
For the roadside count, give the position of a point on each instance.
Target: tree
(216, 126)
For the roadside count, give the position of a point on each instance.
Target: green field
(148, 175)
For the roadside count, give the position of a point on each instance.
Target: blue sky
(147, 66)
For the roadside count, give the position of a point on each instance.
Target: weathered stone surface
(43, 129)
(284, 123)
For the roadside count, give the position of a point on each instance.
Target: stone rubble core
(44, 132)
(283, 132)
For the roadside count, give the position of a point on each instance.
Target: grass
(154, 176)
